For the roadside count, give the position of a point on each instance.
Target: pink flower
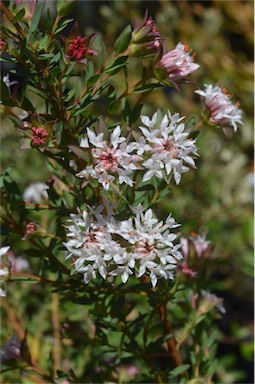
(197, 243)
(202, 246)
(195, 249)
(39, 137)
(78, 48)
(178, 63)
(223, 112)
(187, 271)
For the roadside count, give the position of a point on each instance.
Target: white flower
(4, 269)
(96, 140)
(84, 143)
(2, 293)
(142, 146)
(111, 161)
(125, 265)
(169, 147)
(223, 112)
(4, 250)
(35, 193)
(99, 244)
(154, 167)
(7, 82)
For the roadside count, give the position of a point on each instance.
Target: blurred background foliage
(216, 198)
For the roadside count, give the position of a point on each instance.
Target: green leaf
(5, 93)
(135, 115)
(123, 40)
(27, 105)
(63, 23)
(212, 368)
(10, 185)
(25, 279)
(211, 339)
(126, 110)
(147, 88)
(91, 81)
(37, 16)
(45, 56)
(19, 16)
(118, 64)
(177, 371)
(147, 187)
(7, 59)
(64, 7)
(113, 107)
(55, 58)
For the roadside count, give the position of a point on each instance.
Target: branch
(171, 344)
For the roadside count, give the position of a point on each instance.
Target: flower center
(108, 159)
(168, 145)
(77, 49)
(39, 136)
(144, 248)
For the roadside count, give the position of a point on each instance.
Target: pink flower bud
(146, 40)
(39, 137)
(30, 228)
(188, 271)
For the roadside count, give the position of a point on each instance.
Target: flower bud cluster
(145, 39)
(158, 152)
(140, 245)
(39, 137)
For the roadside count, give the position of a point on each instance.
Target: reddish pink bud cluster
(30, 228)
(77, 49)
(39, 137)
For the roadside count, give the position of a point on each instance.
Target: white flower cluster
(159, 152)
(168, 147)
(140, 245)
(110, 158)
(223, 112)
